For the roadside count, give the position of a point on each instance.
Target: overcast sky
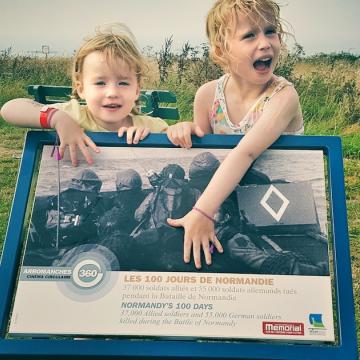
(319, 25)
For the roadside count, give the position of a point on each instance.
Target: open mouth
(112, 106)
(262, 64)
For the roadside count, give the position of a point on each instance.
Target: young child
(107, 73)
(245, 39)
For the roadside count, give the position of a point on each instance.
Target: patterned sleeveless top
(219, 118)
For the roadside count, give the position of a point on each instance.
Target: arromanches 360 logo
(92, 268)
(87, 273)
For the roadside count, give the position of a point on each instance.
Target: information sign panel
(100, 260)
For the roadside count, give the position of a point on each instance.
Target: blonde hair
(115, 41)
(220, 22)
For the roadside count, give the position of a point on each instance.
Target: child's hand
(180, 133)
(199, 232)
(133, 134)
(72, 135)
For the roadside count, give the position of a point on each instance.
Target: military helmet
(128, 180)
(203, 164)
(85, 180)
(172, 171)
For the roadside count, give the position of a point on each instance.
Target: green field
(328, 86)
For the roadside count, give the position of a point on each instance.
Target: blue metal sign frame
(345, 348)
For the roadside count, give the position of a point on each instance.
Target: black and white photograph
(274, 222)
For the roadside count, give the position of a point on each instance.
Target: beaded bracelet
(204, 214)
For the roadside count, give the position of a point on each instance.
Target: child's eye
(249, 36)
(123, 83)
(100, 83)
(270, 31)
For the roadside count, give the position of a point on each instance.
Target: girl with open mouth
(245, 40)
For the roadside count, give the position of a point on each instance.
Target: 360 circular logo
(92, 268)
(87, 273)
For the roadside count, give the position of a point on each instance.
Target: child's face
(254, 48)
(110, 89)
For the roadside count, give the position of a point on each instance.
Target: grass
(328, 87)
(352, 183)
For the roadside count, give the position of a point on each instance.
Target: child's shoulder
(278, 83)
(207, 90)
(205, 96)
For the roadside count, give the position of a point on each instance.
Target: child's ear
(79, 89)
(137, 91)
(218, 51)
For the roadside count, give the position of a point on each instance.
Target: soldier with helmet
(86, 180)
(124, 202)
(171, 197)
(202, 168)
(67, 219)
(118, 221)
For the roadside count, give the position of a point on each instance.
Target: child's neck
(241, 96)
(244, 90)
(127, 122)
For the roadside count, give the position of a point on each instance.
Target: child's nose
(264, 42)
(112, 90)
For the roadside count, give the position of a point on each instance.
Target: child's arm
(26, 113)
(180, 133)
(199, 229)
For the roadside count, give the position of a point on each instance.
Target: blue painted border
(126, 349)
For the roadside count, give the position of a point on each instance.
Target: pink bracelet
(50, 117)
(204, 214)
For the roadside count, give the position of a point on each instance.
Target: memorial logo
(316, 321)
(282, 328)
(317, 325)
